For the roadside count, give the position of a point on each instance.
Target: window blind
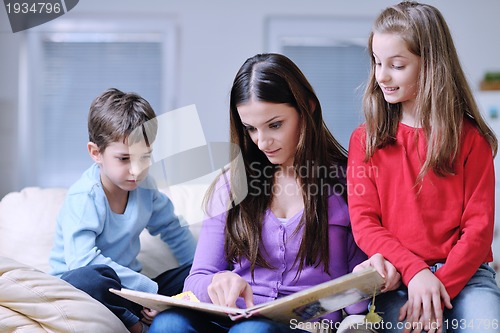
(73, 74)
(338, 74)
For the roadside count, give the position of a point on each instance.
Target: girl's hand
(226, 287)
(390, 274)
(148, 315)
(424, 309)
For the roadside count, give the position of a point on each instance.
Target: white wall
(216, 36)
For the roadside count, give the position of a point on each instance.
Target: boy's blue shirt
(89, 233)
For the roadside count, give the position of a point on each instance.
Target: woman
(291, 229)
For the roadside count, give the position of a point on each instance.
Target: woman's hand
(226, 287)
(390, 274)
(424, 309)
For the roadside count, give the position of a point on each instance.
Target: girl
(422, 178)
(291, 231)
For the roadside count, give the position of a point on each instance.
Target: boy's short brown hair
(115, 115)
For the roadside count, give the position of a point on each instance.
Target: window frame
(315, 31)
(284, 32)
(106, 28)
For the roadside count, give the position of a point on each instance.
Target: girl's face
(274, 128)
(396, 70)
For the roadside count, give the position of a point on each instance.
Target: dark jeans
(96, 280)
(178, 320)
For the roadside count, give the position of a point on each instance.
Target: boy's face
(122, 166)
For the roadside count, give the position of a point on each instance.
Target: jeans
(179, 320)
(475, 309)
(96, 280)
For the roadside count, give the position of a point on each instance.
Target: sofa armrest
(34, 299)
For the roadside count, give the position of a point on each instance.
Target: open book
(304, 305)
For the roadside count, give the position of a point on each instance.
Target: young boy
(98, 227)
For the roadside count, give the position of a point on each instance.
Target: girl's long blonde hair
(444, 97)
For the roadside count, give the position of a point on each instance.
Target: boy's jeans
(96, 280)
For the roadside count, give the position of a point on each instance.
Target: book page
(322, 299)
(304, 305)
(328, 304)
(159, 303)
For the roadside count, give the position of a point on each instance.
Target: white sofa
(33, 301)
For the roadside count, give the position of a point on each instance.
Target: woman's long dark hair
(322, 160)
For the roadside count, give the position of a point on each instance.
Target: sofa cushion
(34, 301)
(27, 225)
(155, 256)
(28, 221)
